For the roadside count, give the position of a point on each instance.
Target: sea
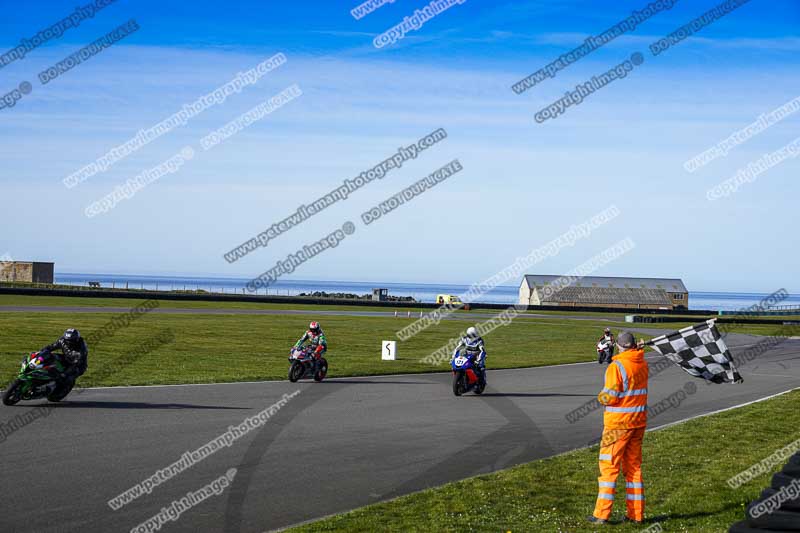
(421, 292)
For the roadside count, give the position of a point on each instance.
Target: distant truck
(442, 299)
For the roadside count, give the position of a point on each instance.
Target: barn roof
(666, 284)
(606, 295)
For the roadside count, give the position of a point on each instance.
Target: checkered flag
(700, 351)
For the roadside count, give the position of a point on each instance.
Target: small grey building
(602, 291)
(380, 295)
(26, 272)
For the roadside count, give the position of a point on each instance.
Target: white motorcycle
(605, 351)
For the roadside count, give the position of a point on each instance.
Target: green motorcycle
(36, 380)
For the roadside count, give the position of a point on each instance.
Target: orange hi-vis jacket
(625, 391)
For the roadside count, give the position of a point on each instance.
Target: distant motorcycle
(36, 379)
(465, 378)
(605, 351)
(305, 365)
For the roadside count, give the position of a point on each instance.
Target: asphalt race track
(337, 445)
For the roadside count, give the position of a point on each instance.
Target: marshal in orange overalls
(625, 420)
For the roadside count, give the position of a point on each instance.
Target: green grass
(83, 301)
(685, 473)
(616, 320)
(221, 348)
(745, 329)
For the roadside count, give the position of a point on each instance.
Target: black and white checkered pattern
(700, 351)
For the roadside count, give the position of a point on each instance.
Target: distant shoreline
(222, 279)
(421, 292)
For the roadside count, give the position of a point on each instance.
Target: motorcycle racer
(74, 355)
(608, 340)
(607, 335)
(316, 339)
(472, 343)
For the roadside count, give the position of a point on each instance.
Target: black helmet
(72, 336)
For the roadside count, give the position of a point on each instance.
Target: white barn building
(601, 291)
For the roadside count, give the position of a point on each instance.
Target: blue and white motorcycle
(465, 376)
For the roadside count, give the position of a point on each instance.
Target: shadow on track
(526, 395)
(366, 381)
(259, 446)
(500, 449)
(134, 405)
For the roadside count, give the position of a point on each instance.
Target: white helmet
(472, 333)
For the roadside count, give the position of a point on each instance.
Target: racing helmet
(72, 337)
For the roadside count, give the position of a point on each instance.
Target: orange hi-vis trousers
(621, 448)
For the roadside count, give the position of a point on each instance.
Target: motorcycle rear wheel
(296, 371)
(60, 392)
(322, 370)
(12, 394)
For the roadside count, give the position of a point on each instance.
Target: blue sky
(522, 185)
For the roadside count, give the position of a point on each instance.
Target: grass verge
(219, 348)
(685, 472)
(83, 301)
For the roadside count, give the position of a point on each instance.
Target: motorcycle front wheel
(296, 371)
(12, 394)
(458, 383)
